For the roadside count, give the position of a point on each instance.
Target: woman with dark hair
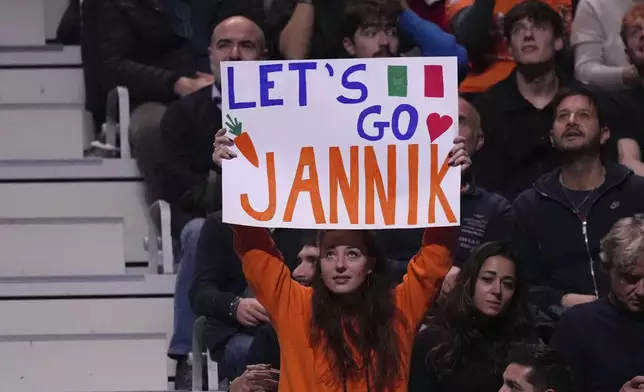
(470, 332)
(352, 330)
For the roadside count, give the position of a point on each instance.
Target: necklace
(576, 208)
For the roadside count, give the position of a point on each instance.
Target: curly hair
(463, 330)
(361, 323)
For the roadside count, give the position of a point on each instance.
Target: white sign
(350, 143)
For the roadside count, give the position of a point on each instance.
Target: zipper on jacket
(584, 231)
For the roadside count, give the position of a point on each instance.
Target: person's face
(515, 379)
(373, 41)
(532, 43)
(305, 270)
(635, 42)
(469, 126)
(627, 287)
(576, 126)
(344, 267)
(495, 285)
(235, 39)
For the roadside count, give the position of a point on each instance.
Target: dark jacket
(479, 374)
(138, 49)
(603, 344)
(219, 278)
(265, 348)
(559, 250)
(187, 133)
(485, 217)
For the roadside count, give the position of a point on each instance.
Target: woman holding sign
(352, 330)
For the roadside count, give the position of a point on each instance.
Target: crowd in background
(546, 286)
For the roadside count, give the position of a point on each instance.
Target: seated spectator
(263, 359)
(536, 368)
(600, 58)
(220, 292)
(630, 101)
(138, 49)
(563, 217)
(479, 26)
(370, 29)
(517, 112)
(469, 334)
(603, 341)
(485, 216)
(187, 132)
(314, 29)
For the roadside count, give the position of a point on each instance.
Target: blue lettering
(302, 68)
(413, 121)
(364, 92)
(266, 85)
(231, 93)
(380, 125)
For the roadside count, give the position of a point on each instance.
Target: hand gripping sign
(341, 144)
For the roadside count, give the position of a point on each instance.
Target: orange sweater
(303, 368)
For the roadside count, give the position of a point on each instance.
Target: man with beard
(562, 219)
(370, 29)
(603, 341)
(516, 113)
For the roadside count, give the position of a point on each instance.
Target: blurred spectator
(536, 368)
(631, 100)
(604, 340)
(485, 216)
(516, 114)
(563, 217)
(220, 292)
(370, 29)
(300, 29)
(469, 334)
(138, 49)
(479, 26)
(434, 11)
(187, 132)
(600, 58)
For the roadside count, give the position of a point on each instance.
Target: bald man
(186, 169)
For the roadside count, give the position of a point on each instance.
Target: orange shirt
(305, 368)
(501, 62)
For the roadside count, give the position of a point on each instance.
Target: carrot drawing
(242, 141)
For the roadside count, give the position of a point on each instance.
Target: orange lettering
(311, 185)
(269, 212)
(349, 189)
(412, 163)
(435, 189)
(374, 177)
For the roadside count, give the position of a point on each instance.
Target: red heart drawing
(437, 125)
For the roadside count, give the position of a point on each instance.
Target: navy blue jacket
(485, 217)
(558, 250)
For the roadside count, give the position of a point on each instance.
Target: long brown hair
(362, 322)
(463, 330)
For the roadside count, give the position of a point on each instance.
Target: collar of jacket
(550, 186)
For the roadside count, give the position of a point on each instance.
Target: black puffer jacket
(138, 49)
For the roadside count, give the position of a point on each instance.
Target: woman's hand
(221, 150)
(458, 155)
